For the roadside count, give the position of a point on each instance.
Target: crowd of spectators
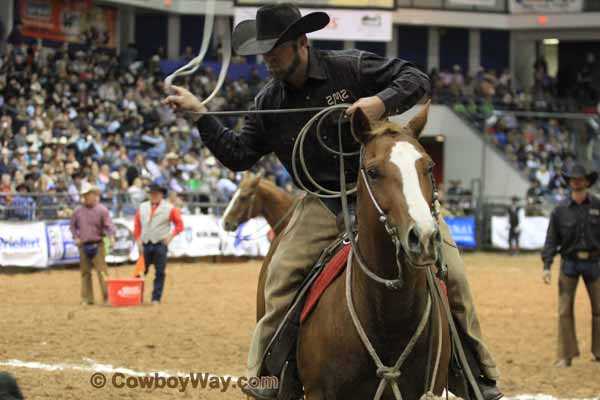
(75, 113)
(542, 148)
(72, 114)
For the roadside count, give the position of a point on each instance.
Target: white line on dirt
(93, 366)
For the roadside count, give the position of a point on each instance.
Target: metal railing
(30, 206)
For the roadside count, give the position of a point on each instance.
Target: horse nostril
(414, 244)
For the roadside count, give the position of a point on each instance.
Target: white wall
(464, 154)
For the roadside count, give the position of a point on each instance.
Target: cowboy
(306, 77)
(574, 231)
(152, 233)
(89, 224)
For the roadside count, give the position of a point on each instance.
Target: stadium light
(440, 138)
(551, 42)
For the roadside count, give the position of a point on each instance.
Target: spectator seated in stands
(22, 206)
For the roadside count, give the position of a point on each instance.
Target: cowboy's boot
(458, 383)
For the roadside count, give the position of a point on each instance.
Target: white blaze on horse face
(230, 205)
(404, 155)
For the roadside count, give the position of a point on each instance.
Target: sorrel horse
(259, 197)
(396, 239)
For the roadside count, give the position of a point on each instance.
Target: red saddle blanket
(331, 271)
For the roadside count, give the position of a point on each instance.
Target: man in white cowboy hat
(574, 231)
(152, 233)
(308, 77)
(89, 224)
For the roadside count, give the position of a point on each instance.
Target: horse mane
(386, 127)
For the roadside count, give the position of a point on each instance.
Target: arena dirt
(207, 316)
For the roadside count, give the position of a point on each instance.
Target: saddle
(280, 357)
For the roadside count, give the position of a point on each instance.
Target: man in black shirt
(307, 77)
(574, 231)
(514, 229)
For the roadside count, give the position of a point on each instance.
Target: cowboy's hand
(372, 107)
(183, 100)
(547, 276)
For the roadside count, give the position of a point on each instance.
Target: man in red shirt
(152, 233)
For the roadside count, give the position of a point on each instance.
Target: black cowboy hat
(579, 171)
(155, 187)
(274, 24)
(22, 186)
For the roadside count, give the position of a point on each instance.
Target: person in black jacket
(307, 77)
(574, 231)
(514, 231)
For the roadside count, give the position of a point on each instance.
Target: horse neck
(389, 312)
(275, 203)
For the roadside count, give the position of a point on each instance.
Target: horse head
(242, 206)
(397, 183)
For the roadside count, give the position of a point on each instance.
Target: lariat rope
(193, 65)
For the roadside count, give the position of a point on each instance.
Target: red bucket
(125, 292)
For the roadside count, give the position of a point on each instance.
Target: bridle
(383, 218)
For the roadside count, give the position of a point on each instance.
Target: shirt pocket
(567, 228)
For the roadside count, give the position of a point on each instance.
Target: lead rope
(388, 375)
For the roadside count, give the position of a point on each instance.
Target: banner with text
(61, 246)
(69, 21)
(532, 237)
(545, 6)
(462, 230)
(250, 239)
(344, 25)
(23, 244)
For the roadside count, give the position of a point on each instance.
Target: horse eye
(430, 168)
(373, 173)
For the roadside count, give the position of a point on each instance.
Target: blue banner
(61, 246)
(463, 230)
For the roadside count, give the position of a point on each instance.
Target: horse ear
(361, 127)
(418, 122)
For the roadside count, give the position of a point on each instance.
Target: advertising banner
(125, 249)
(201, 237)
(23, 244)
(463, 230)
(69, 21)
(250, 239)
(388, 4)
(61, 246)
(471, 3)
(351, 25)
(532, 237)
(545, 6)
